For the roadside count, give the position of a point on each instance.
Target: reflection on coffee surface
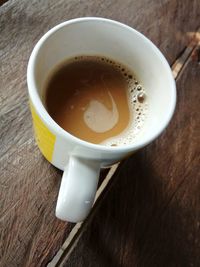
(97, 100)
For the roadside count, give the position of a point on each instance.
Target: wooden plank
(30, 233)
(152, 215)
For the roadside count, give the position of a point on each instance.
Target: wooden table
(148, 209)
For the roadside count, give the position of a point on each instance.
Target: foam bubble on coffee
(138, 103)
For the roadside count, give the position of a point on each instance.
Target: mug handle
(77, 190)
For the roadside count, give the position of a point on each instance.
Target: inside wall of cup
(121, 44)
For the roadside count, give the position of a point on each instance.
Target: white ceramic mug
(80, 160)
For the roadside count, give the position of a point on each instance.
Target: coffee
(97, 100)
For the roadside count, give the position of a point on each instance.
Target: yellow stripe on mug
(44, 137)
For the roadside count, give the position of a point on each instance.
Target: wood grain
(30, 234)
(151, 217)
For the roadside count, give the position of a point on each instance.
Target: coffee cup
(81, 161)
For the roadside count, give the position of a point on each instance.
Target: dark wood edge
(3, 2)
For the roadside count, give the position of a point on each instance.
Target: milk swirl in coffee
(97, 99)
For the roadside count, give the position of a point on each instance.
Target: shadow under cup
(121, 43)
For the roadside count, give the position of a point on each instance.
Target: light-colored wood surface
(30, 233)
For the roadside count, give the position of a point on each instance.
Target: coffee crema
(97, 100)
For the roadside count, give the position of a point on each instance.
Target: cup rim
(55, 128)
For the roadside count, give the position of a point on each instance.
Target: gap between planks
(70, 243)
(80, 227)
